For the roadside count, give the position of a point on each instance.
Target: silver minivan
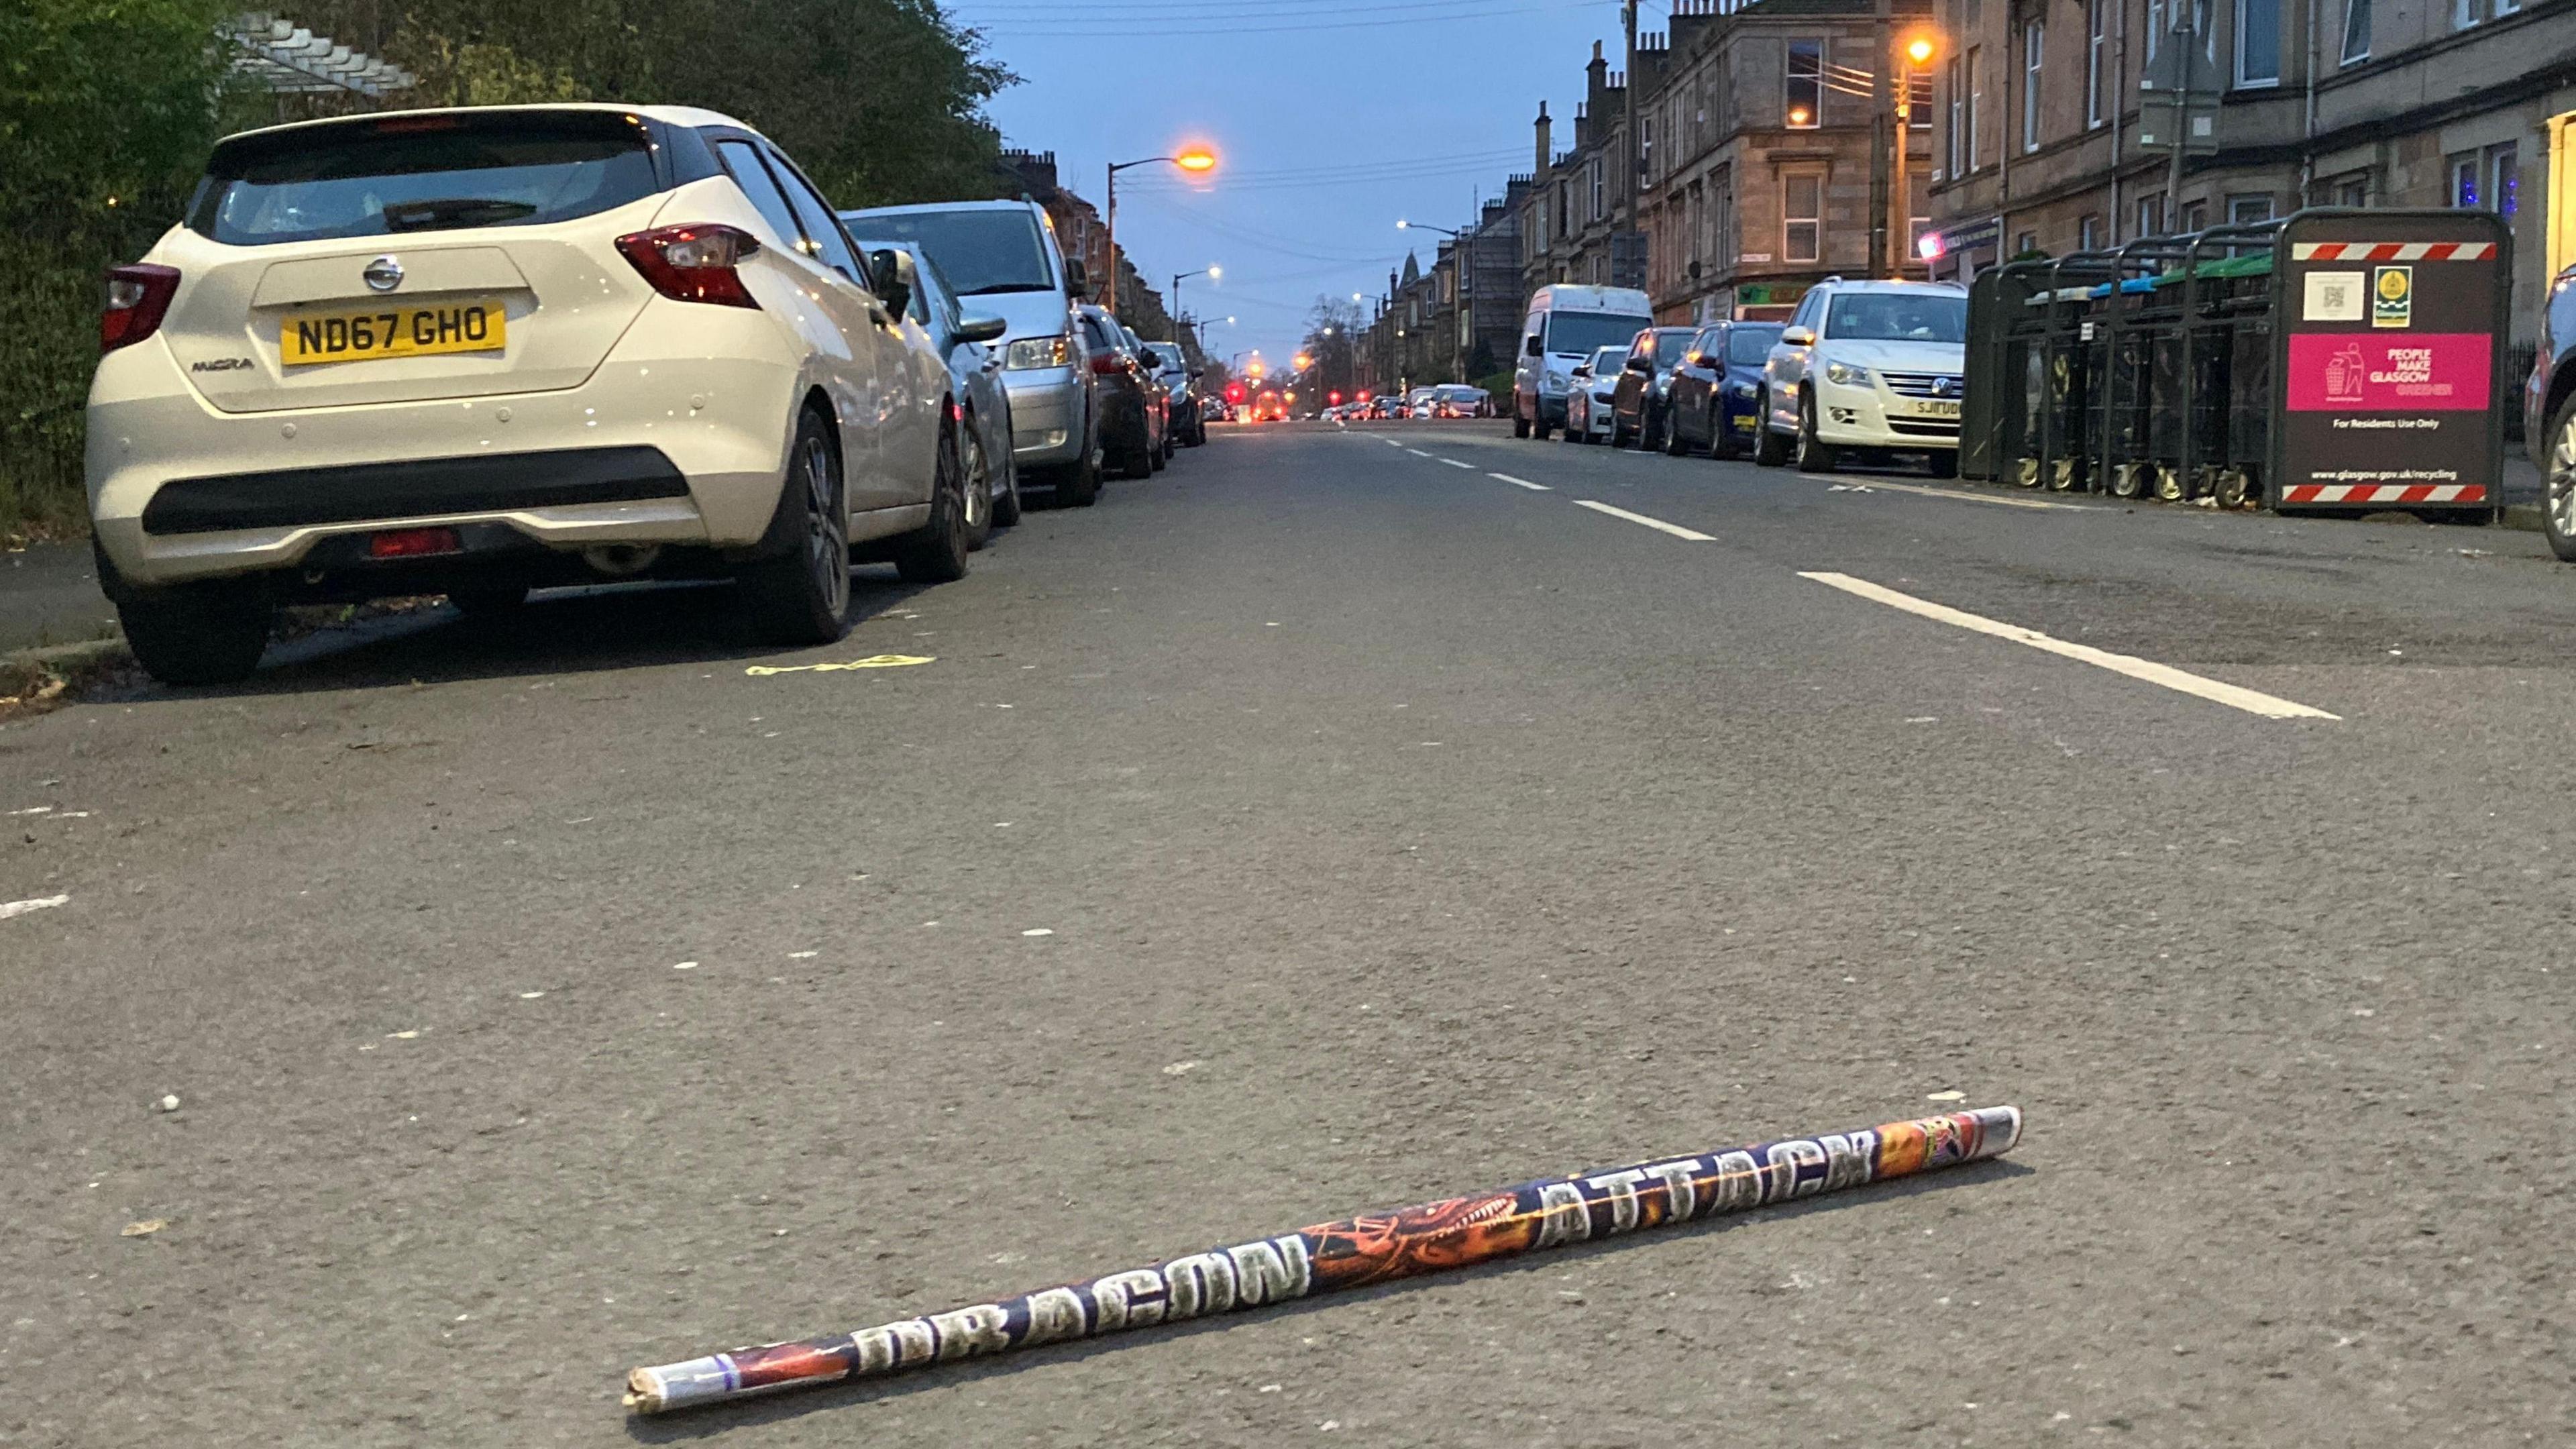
(1002, 258)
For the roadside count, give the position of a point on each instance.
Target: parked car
(1418, 403)
(1565, 325)
(1181, 382)
(2549, 416)
(1389, 406)
(1002, 258)
(1125, 398)
(443, 352)
(974, 374)
(1592, 389)
(1458, 400)
(1638, 412)
(1715, 387)
(1158, 400)
(1866, 365)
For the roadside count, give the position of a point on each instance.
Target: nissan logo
(384, 274)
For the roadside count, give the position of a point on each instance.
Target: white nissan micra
(475, 352)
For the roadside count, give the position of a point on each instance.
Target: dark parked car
(1181, 381)
(2549, 416)
(1637, 411)
(1713, 400)
(1130, 438)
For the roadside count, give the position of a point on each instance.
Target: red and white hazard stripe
(2391, 251)
(2385, 493)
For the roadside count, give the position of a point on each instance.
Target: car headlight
(1744, 389)
(1029, 352)
(1847, 374)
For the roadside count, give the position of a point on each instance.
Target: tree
(1332, 339)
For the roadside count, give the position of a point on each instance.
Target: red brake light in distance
(693, 263)
(138, 297)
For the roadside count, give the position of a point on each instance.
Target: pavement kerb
(2525, 516)
(35, 680)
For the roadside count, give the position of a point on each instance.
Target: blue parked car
(1711, 402)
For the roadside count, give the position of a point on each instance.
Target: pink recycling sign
(2417, 372)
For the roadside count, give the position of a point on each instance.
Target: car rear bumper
(651, 450)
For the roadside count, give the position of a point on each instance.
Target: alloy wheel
(2562, 478)
(825, 551)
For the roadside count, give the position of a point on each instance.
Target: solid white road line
(1454, 463)
(1958, 495)
(2234, 697)
(1522, 483)
(1675, 529)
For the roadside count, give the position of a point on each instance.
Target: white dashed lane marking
(1454, 463)
(1675, 529)
(2233, 696)
(1522, 483)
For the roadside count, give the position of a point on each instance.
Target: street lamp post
(1918, 53)
(1197, 160)
(1211, 271)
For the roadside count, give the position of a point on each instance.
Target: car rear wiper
(999, 287)
(453, 211)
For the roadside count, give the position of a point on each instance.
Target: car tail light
(1108, 364)
(414, 543)
(138, 297)
(693, 263)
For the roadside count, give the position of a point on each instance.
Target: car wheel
(1079, 486)
(199, 634)
(1944, 461)
(1770, 450)
(2558, 488)
(800, 593)
(936, 554)
(1006, 507)
(1721, 441)
(1676, 442)
(978, 495)
(1813, 456)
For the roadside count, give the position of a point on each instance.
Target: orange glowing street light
(1195, 158)
(1301, 361)
(1920, 50)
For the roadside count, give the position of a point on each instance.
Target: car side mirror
(1581, 369)
(1533, 349)
(981, 329)
(1798, 337)
(1641, 364)
(1197, 372)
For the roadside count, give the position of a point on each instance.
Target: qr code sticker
(2336, 297)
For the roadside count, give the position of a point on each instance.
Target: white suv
(1867, 365)
(473, 352)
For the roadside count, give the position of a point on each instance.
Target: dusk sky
(1334, 119)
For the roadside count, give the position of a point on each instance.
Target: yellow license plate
(429, 330)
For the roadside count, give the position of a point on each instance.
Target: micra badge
(222, 364)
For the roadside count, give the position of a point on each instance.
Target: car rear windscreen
(1669, 347)
(1750, 346)
(420, 173)
(982, 251)
(1590, 331)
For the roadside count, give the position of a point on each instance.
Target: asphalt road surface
(547, 999)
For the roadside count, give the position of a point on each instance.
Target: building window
(1646, 149)
(2353, 190)
(2356, 31)
(2088, 233)
(2464, 183)
(2151, 214)
(1806, 109)
(2097, 62)
(1976, 104)
(1918, 99)
(1952, 156)
(2155, 26)
(2504, 179)
(2464, 13)
(2034, 47)
(1802, 212)
(2026, 243)
(2504, 7)
(2195, 217)
(2246, 210)
(2258, 42)
(1597, 196)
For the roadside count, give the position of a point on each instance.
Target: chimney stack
(1545, 152)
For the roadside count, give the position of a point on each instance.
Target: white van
(1567, 324)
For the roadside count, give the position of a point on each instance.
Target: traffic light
(1334, 398)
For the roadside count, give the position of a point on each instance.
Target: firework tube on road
(1371, 1248)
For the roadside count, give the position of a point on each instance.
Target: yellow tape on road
(873, 661)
